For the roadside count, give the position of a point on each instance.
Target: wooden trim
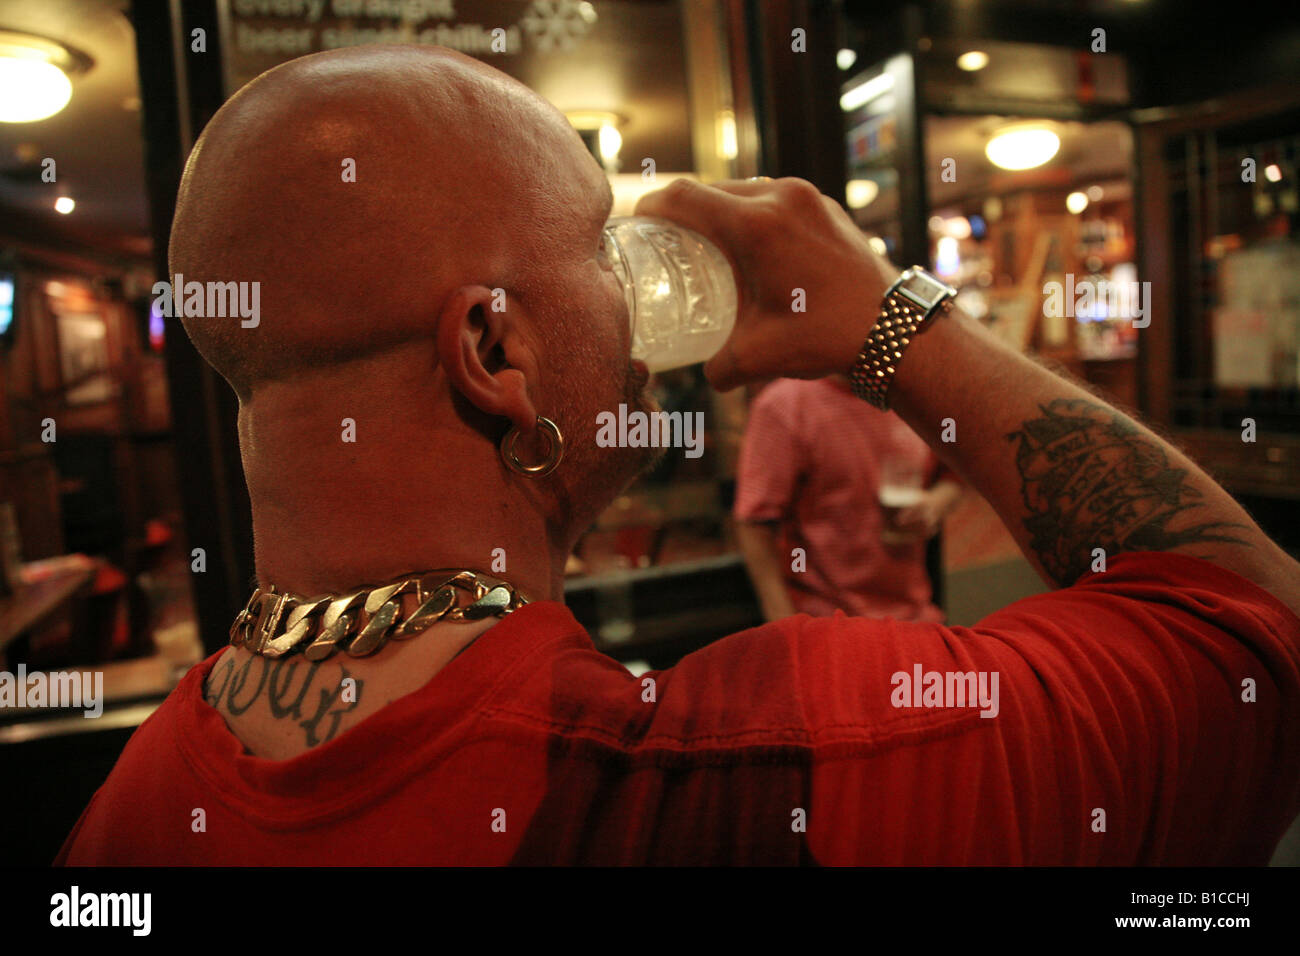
(1155, 264)
(181, 91)
(1229, 110)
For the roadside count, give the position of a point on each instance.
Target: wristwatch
(908, 309)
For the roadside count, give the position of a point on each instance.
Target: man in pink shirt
(811, 526)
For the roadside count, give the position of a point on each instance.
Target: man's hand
(783, 238)
(764, 560)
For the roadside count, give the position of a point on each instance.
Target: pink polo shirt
(811, 461)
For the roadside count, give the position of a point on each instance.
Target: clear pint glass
(681, 294)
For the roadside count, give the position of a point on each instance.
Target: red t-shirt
(811, 460)
(1121, 737)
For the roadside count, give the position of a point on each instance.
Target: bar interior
(1020, 151)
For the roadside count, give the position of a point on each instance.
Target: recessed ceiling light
(845, 58)
(973, 60)
(1022, 147)
(65, 204)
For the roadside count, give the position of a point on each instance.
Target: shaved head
(459, 169)
(409, 315)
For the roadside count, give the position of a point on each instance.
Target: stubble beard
(597, 476)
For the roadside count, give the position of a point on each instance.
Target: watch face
(923, 289)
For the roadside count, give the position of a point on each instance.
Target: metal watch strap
(900, 319)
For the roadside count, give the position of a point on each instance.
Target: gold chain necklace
(274, 624)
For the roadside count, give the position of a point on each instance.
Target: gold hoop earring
(543, 468)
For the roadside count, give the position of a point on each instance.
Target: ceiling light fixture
(1022, 147)
(34, 76)
(973, 60)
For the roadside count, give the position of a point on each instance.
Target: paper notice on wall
(1259, 300)
(1243, 348)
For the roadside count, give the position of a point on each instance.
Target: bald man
(418, 411)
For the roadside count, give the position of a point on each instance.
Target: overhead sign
(625, 58)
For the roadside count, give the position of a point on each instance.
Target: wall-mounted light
(1022, 147)
(972, 60)
(600, 131)
(864, 93)
(610, 141)
(34, 76)
(859, 193)
(727, 146)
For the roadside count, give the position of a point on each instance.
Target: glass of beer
(901, 486)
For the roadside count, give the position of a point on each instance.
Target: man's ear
(484, 356)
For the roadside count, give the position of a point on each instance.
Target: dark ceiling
(1176, 53)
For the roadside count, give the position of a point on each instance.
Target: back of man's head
(355, 187)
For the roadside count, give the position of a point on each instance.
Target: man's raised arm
(1068, 473)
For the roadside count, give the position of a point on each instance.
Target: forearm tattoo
(1091, 479)
(285, 684)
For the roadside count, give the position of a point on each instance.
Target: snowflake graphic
(557, 24)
